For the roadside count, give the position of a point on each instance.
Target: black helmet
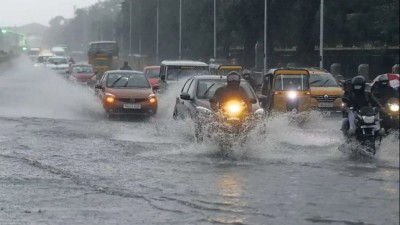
(246, 74)
(233, 77)
(383, 80)
(358, 83)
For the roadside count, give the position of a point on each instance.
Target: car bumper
(146, 109)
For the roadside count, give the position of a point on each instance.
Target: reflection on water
(230, 188)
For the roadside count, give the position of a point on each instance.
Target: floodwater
(63, 162)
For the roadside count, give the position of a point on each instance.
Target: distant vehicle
(59, 51)
(82, 74)
(180, 69)
(222, 69)
(103, 56)
(126, 92)
(152, 73)
(33, 53)
(58, 63)
(42, 59)
(326, 93)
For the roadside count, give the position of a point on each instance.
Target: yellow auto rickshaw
(223, 70)
(287, 90)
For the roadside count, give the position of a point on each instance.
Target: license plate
(325, 105)
(132, 106)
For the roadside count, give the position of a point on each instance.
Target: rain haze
(21, 12)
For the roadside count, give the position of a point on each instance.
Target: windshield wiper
(315, 81)
(208, 89)
(323, 85)
(115, 82)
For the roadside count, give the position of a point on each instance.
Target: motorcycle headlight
(368, 119)
(292, 95)
(394, 107)
(233, 108)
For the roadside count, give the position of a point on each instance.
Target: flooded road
(63, 162)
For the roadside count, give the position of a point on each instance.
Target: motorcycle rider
(357, 98)
(232, 90)
(126, 66)
(382, 90)
(249, 79)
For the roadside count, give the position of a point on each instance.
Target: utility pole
(130, 27)
(180, 29)
(321, 36)
(215, 29)
(265, 35)
(158, 31)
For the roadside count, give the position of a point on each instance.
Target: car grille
(132, 100)
(325, 98)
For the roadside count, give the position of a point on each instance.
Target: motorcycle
(390, 115)
(367, 135)
(230, 123)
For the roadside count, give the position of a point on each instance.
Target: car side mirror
(253, 101)
(262, 98)
(185, 96)
(156, 87)
(98, 86)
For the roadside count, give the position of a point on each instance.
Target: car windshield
(177, 72)
(207, 87)
(82, 69)
(323, 80)
(57, 61)
(291, 82)
(101, 62)
(152, 73)
(225, 72)
(127, 80)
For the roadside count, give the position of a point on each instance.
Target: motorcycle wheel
(370, 145)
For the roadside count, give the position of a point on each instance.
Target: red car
(82, 74)
(152, 74)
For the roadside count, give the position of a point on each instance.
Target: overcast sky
(21, 12)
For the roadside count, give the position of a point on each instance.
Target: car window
(291, 82)
(152, 73)
(184, 86)
(82, 69)
(207, 87)
(178, 72)
(127, 80)
(188, 86)
(323, 80)
(57, 61)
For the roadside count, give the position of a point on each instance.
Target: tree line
(291, 23)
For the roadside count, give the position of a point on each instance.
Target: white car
(58, 63)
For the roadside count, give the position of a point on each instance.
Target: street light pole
(158, 31)
(130, 27)
(321, 36)
(265, 35)
(180, 29)
(215, 29)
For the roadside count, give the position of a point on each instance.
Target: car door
(179, 104)
(191, 105)
(100, 92)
